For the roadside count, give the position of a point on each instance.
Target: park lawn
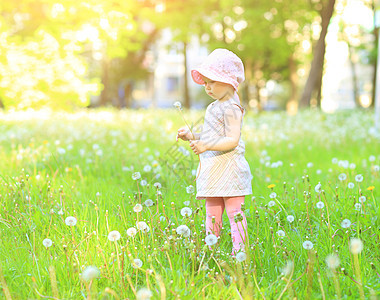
(316, 183)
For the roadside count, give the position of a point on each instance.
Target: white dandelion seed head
(334, 160)
(307, 245)
(177, 104)
(90, 273)
(343, 164)
(183, 230)
(71, 221)
(372, 158)
(376, 168)
(47, 243)
(131, 232)
(114, 236)
(60, 212)
(342, 176)
(273, 195)
(310, 165)
(137, 263)
(186, 212)
(186, 203)
(290, 218)
(332, 261)
(147, 168)
(320, 205)
(148, 202)
(241, 256)
(362, 199)
(281, 233)
(358, 206)
(318, 188)
(352, 166)
(359, 178)
(157, 185)
(190, 189)
(287, 269)
(144, 294)
(141, 225)
(136, 175)
(356, 246)
(137, 208)
(350, 185)
(143, 182)
(271, 203)
(211, 239)
(346, 223)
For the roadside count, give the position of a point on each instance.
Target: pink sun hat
(221, 65)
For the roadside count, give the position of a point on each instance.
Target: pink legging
(215, 207)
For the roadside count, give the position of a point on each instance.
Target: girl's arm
(185, 134)
(232, 120)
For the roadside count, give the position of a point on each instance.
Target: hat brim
(197, 74)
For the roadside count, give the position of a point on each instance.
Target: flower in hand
(198, 146)
(184, 133)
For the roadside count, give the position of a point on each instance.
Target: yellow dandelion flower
(271, 186)
(370, 188)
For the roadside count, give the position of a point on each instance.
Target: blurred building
(165, 84)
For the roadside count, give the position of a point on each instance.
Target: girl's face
(218, 90)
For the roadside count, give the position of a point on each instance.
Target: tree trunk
(247, 82)
(292, 105)
(319, 87)
(258, 96)
(354, 77)
(128, 94)
(319, 55)
(104, 96)
(293, 78)
(186, 95)
(375, 68)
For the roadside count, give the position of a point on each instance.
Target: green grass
(55, 165)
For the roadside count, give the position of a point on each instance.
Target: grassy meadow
(91, 205)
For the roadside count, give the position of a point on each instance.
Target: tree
(78, 43)
(314, 81)
(267, 36)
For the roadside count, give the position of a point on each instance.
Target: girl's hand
(198, 146)
(184, 134)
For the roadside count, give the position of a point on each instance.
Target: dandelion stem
(358, 276)
(191, 131)
(117, 256)
(310, 269)
(4, 285)
(53, 280)
(336, 284)
(138, 190)
(308, 216)
(321, 285)
(131, 284)
(170, 262)
(200, 265)
(287, 284)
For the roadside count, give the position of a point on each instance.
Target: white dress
(222, 173)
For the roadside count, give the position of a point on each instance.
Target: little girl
(224, 177)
